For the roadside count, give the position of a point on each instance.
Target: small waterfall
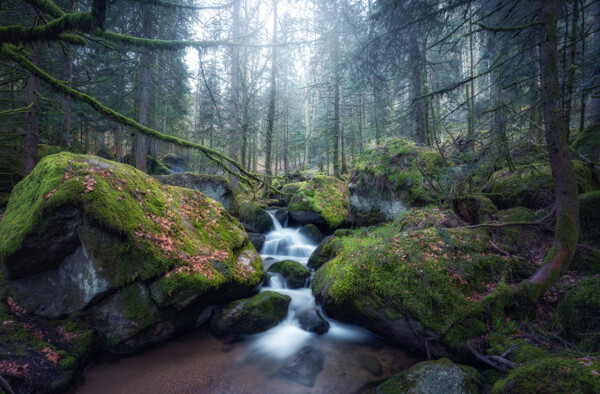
(286, 243)
(284, 340)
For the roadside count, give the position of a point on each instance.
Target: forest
(299, 196)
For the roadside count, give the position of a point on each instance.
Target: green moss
(524, 353)
(295, 273)
(438, 276)
(157, 228)
(532, 186)
(579, 312)
(587, 143)
(401, 167)
(557, 374)
(327, 196)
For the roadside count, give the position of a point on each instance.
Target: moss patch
(326, 196)
(557, 374)
(579, 312)
(436, 275)
(294, 273)
(403, 168)
(532, 186)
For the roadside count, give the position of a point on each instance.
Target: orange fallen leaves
(14, 368)
(15, 308)
(50, 354)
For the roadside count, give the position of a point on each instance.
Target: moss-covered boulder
(555, 374)
(434, 377)
(36, 354)
(311, 320)
(155, 167)
(313, 233)
(391, 177)
(324, 201)
(254, 218)
(294, 273)
(579, 312)
(251, 315)
(532, 186)
(587, 143)
(288, 190)
(425, 289)
(327, 250)
(213, 186)
(102, 241)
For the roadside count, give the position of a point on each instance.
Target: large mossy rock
(428, 282)
(327, 250)
(138, 260)
(323, 201)
(391, 177)
(254, 218)
(252, 315)
(213, 186)
(532, 186)
(313, 233)
(555, 374)
(434, 377)
(579, 312)
(294, 273)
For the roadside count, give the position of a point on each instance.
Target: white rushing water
(284, 340)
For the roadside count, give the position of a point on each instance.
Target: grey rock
(312, 321)
(305, 368)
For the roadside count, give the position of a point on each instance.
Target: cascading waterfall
(284, 340)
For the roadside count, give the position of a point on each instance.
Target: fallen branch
(497, 362)
(5, 385)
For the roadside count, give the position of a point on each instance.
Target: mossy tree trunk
(565, 186)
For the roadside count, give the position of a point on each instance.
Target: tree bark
(272, 98)
(235, 83)
(565, 186)
(417, 90)
(141, 144)
(32, 119)
(595, 104)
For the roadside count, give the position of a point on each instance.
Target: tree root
(497, 362)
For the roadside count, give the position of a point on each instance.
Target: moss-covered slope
(105, 234)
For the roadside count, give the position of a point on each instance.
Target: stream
(284, 359)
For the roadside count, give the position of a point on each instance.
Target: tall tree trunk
(32, 119)
(565, 186)
(417, 90)
(336, 96)
(595, 104)
(272, 97)
(235, 84)
(141, 145)
(65, 121)
(582, 109)
(376, 119)
(570, 77)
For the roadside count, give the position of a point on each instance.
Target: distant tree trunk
(535, 134)
(376, 119)
(65, 121)
(141, 144)
(32, 119)
(565, 187)
(417, 90)
(570, 77)
(595, 104)
(272, 97)
(336, 97)
(235, 83)
(582, 109)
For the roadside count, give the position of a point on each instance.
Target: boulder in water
(313, 233)
(138, 260)
(251, 315)
(212, 186)
(305, 368)
(258, 240)
(281, 214)
(311, 320)
(434, 377)
(254, 218)
(327, 250)
(294, 273)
